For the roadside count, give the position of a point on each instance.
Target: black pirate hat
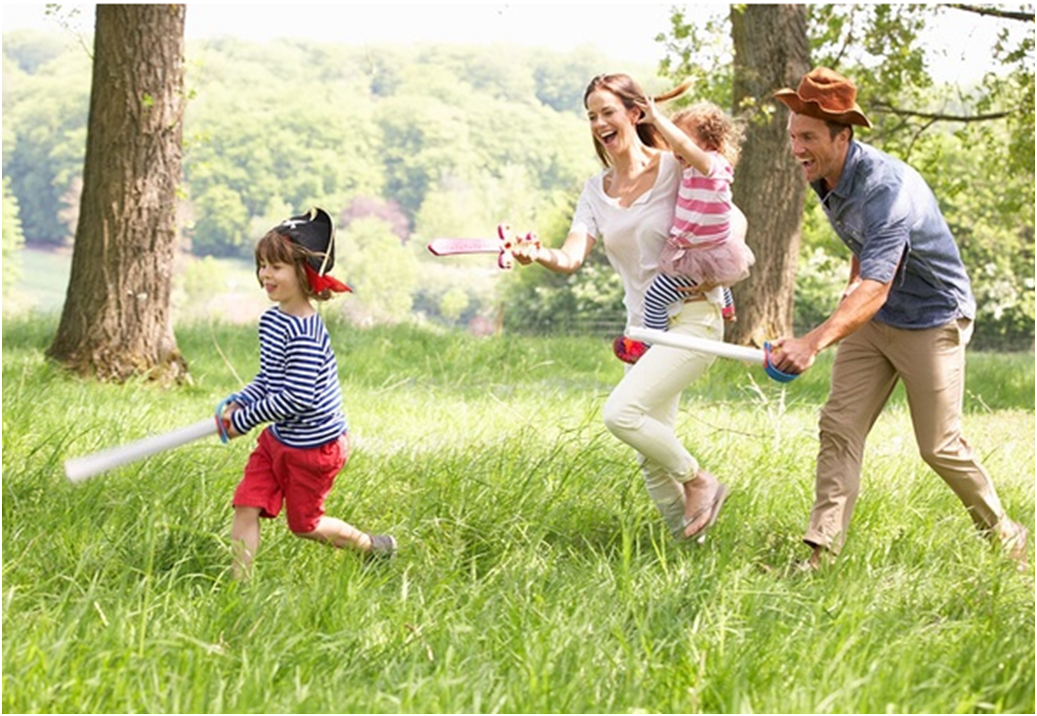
(315, 233)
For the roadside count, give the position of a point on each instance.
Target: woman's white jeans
(642, 409)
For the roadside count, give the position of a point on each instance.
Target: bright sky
(623, 31)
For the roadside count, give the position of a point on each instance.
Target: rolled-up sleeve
(886, 233)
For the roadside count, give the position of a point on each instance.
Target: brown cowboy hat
(827, 95)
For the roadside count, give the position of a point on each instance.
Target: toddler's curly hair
(714, 129)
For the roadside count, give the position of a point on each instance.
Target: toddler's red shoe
(628, 350)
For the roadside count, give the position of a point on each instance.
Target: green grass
(534, 575)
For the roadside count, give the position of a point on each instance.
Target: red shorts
(298, 478)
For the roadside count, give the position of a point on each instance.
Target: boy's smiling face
(281, 283)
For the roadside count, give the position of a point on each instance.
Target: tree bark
(771, 52)
(116, 322)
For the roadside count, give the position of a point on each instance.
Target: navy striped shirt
(297, 386)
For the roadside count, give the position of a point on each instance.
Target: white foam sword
(716, 348)
(78, 469)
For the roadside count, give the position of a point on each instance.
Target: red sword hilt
(508, 241)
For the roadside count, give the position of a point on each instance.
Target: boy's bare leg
(339, 534)
(244, 536)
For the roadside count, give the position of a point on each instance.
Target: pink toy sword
(502, 245)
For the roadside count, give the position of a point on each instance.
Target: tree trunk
(116, 321)
(771, 52)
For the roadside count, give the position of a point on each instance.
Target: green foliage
(32, 49)
(991, 214)
(981, 171)
(452, 140)
(222, 224)
(201, 279)
(443, 282)
(382, 272)
(1010, 91)
(210, 289)
(421, 145)
(875, 43)
(820, 281)
(447, 126)
(43, 153)
(560, 85)
(305, 142)
(588, 301)
(533, 575)
(12, 239)
(698, 47)
(470, 71)
(454, 303)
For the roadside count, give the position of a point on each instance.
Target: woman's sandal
(714, 507)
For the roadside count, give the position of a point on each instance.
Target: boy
(298, 456)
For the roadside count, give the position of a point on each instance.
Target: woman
(630, 206)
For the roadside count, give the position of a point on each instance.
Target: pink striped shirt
(703, 212)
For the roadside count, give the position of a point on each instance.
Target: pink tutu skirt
(717, 263)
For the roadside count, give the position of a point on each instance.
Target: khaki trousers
(642, 409)
(867, 366)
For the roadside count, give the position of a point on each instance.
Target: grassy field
(534, 575)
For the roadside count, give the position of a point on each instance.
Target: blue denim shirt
(889, 218)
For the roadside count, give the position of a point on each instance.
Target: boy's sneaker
(628, 350)
(382, 546)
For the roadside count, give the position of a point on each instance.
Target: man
(906, 315)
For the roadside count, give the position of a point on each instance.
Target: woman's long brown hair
(630, 94)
